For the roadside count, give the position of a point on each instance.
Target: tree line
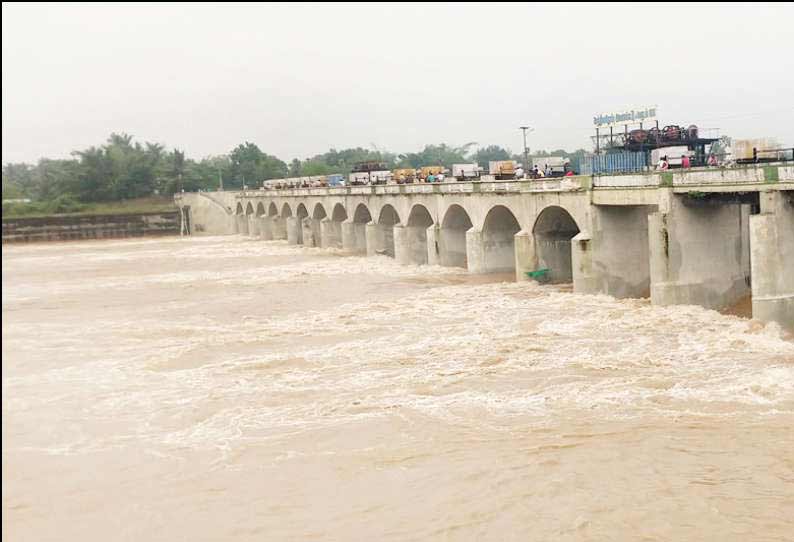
(122, 168)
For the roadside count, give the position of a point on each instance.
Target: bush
(64, 204)
(60, 205)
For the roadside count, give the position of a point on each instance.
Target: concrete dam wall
(69, 228)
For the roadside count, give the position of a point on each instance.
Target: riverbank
(76, 227)
(63, 208)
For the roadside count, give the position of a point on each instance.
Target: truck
(555, 163)
(503, 169)
(763, 149)
(426, 171)
(336, 179)
(404, 175)
(370, 172)
(466, 171)
(673, 155)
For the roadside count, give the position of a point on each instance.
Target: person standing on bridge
(685, 161)
(663, 165)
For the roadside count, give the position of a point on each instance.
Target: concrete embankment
(68, 228)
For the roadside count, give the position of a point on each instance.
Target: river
(224, 388)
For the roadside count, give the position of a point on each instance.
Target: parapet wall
(68, 228)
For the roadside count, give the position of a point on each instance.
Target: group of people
(547, 171)
(686, 163)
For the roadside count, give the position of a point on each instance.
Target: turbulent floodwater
(222, 388)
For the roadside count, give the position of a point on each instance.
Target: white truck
(466, 171)
(673, 155)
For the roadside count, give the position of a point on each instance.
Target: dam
(707, 237)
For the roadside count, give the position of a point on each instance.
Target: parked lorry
(555, 163)
(404, 175)
(370, 172)
(503, 169)
(764, 149)
(426, 171)
(464, 172)
(673, 155)
(336, 179)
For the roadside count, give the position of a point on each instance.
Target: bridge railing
(753, 174)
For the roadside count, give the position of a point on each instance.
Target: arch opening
(362, 215)
(278, 227)
(263, 222)
(319, 212)
(498, 240)
(286, 212)
(355, 238)
(339, 214)
(451, 243)
(413, 245)
(312, 228)
(553, 231)
(384, 231)
(241, 220)
(252, 222)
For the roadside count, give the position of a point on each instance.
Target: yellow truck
(404, 175)
(426, 171)
(502, 169)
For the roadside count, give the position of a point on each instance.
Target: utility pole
(526, 149)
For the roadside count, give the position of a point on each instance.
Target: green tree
(490, 153)
(250, 166)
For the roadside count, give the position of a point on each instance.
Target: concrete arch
(451, 239)
(249, 209)
(388, 216)
(362, 214)
(260, 209)
(498, 243)
(240, 220)
(339, 213)
(419, 217)
(301, 211)
(413, 245)
(319, 212)
(553, 230)
(272, 210)
(384, 238)
(286, 211)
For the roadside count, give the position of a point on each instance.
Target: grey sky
(299, 79)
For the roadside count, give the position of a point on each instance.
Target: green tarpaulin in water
(540, 275)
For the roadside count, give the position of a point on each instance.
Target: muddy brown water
(222, 388)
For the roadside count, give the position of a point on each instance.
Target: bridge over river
(708, 237)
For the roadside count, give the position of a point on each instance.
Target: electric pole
(526, 149)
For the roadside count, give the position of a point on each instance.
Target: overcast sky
(299, 79)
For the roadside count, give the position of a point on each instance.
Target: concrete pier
(772, 258)
(294, 231)
(698, 253)
(331, 233)
(354, 237)
(266, 227)
(613, 256)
